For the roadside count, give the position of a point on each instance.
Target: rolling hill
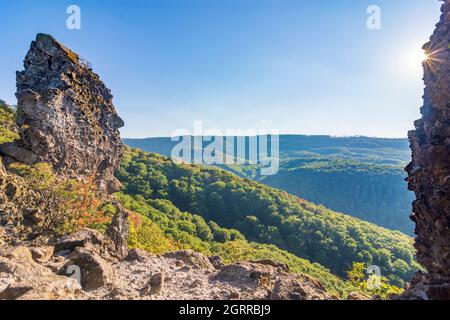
(267, 216)
(359, 176)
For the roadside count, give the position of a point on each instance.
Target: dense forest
(359, 176)
(266, 215)
(376, 193)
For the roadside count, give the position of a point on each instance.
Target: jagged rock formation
(429, 172)
(67, 117)
(44, 273)
(118, 231)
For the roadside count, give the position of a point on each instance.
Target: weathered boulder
(247, 274)
(138, 255)
(274, 279)
(427, 286)
(273, 263)
(18, 153)
(79, 239)
(216, 261)
(41, 254)
(294, 287)
(429, 171)
(67, 115)
(118, 232)
(45, 288)
(18, 253)
(155, 285)
(289, 289)
(191, 258)
(22, 278)
(95, 272)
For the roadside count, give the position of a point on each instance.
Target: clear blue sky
(298, 66)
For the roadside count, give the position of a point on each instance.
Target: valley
(360, 176)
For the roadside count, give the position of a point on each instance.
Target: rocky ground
(84, 266)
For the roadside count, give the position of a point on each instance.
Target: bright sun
(419, 56)
(414, 58)
(424, 56)
(408, 60)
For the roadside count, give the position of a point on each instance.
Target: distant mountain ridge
(386, 150)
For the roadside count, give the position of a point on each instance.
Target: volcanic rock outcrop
(67, 117)
(429, 172)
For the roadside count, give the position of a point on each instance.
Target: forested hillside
(373, 192)
(266, 215)
(359, 176)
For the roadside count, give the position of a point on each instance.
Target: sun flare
(412, 59)
(424, 56)
(418, 56)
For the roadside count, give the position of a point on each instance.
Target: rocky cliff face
(429, 172)
(67, 117)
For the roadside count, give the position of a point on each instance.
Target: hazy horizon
(281, 134)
